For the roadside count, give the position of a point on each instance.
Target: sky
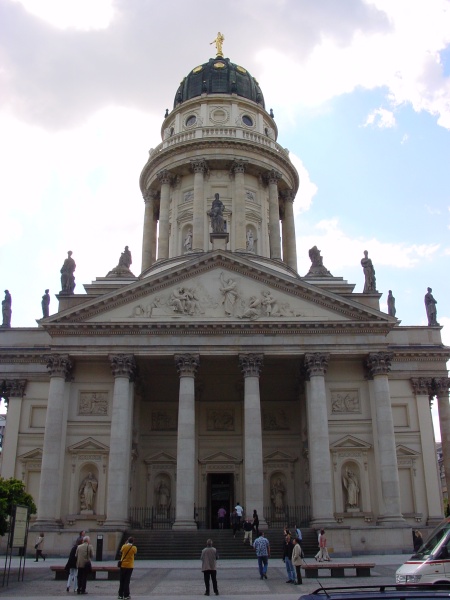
(361, 95)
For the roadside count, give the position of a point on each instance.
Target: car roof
(376, 592)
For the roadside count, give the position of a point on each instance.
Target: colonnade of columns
(321, 484)
(153, 249)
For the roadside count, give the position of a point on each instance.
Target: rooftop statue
(370, 283)
(317, 268)
(6, 310)
(45, 303)
(67, 275)
(218, 43)
(430, 305)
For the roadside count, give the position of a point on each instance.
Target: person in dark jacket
(71, 568)
(288, 548)
(256, 523)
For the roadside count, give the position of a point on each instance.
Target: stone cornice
(202, 146)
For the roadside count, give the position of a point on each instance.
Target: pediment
(405, 452)
(279, 455)
(32, 455)
(219, 288)
(88, 445)
(160, 457)
(219, 457)
(350, 442)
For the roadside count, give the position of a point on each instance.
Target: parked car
(378, 592)
(431, 563)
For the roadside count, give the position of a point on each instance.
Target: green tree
(12, 492)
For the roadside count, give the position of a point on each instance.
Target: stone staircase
(166, 544)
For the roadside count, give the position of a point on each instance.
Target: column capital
(123, 365)
(422, 386)
(187, 364)
(251, 364)
(440, 386)
(165, 176)
(288, 196)
(59, 365)
(379, 363)
(199, 165)
(13, 388)
(316, 364)
(238, 166)
(150, 195)
(272, 176)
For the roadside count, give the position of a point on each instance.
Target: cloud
(382, 118)
(307, 189)
(339, 250)
(77, 14)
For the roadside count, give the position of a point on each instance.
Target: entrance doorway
(220, 494)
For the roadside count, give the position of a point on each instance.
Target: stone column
(13, 395)
(423, 391)
(187, 365)
(289, 243)
(251, 365)
(240, 238)
(59, 367)
(272, 179)
(200, 167)
(165, 178)
(440, 389)
(123, 368)
(379, 365)
(318, 441)
(149, 230)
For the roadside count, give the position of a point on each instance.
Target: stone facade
(220, 370)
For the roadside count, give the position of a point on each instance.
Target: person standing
(39, 547)
(239, 512)
(262, 548)
(209, 566)
(248, 530)
(287, 559)
(71, 567)
(221, 516)
(297, 560)
(234, 522)
(127, 553)
(84, 554)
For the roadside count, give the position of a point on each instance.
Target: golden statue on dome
(218, 42)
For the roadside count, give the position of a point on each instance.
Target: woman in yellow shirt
(127, 553)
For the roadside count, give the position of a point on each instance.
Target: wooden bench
(113, 572)
(338, 569)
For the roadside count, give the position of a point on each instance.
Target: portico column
(200, 167)
(379, 365)
(165, 178)
(13, 395)
(251, 365)
(318, 441)
(149, 229)
(423, 391)
(59, 367)
(274, 214)
(441, 386)
(289, 243)
(187, 365)
(238, 170)
(123, 368)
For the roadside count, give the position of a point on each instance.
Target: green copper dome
(219, 76)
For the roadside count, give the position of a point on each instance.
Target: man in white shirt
(239, 513)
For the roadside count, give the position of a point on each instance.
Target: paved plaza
(183, 579)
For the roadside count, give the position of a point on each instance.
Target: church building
(219, 374)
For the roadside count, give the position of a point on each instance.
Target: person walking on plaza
(323, 552)
(256, 523)
(127, 553)
(209, 559)
(297, 560)
(84, 554)
(262, 548)
(39, 547)
(248, 530)
(71, 568)
(287, 559)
